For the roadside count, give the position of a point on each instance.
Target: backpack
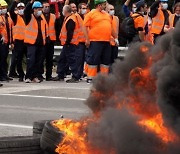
(127, 27)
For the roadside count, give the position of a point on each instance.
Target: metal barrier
(57, 50)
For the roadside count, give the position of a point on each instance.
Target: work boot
(13, 75)
(36, 80)
(89, 81)
(9, 78)
(72, 80)
(28, 80)
(57, 78)
(21, 79)
(49, 78)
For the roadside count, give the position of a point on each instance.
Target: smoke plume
(117, 128)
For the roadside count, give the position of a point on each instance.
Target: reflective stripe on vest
(158, 22)
(63, 34)
(18, 29)
(31, 30)
(51, 27)
(171, 20)
(115, 25)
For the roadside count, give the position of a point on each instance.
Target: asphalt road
(21, 104)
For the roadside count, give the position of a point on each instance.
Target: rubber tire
(50, 138)
(20, 145)
(38, 127)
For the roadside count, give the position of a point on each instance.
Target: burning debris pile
(136, 109)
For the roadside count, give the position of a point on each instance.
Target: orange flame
(75, 139)
(156, 125)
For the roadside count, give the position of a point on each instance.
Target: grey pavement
(21, 104)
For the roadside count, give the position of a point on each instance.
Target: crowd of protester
(89, 37)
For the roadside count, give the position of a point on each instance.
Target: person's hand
(116, 42)
(17, 1)
(58, 15)
(32, 1)
(66, 2)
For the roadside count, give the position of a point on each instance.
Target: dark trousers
(13, 65)
(49, 52)
(35, 59)
(68, 56)
(4, 51)
(99, 53)
(114, 53)
(21, 51)
(80, 57)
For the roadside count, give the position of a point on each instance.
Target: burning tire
(20, 145)
(50, 138)
(38, 127)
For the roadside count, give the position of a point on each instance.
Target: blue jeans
(80, 57)
(68, 56)
(35, 59)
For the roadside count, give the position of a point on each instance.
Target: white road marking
(15, 126)
(48, 97)
(27, 108)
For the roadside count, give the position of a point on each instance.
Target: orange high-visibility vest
(63, 34)
(81, 36)
(19, 28)
(4, 32)
(158, 22)
(99, 24)
(171, 20)
(31, 30)
(115, 26)
(51, 27)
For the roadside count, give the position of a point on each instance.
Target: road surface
(21, 104)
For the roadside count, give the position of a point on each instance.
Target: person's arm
(154, 9)
(12, 13)
(141, 35)
(66, 2)
(126, 10)
(28, 11)
(70, 27)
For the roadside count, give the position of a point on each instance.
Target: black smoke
(168, 84)
(117, 128)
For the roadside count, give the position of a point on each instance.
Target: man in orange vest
(82, 11)
(5, 41)
(69, 39)
(50, 40)
(115, 25)
(36, 32)
(173, 19)
(98, 31)
(18, 35)
(139, 22)
(159, 15)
